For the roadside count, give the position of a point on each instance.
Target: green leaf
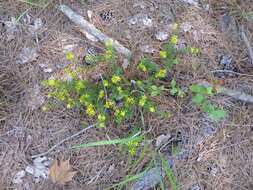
(173, 91)
(167, 115)
(156, 90)
(198, 89)
(181, 93)
(209, 90)
(198, 99)
(101, 143)
(217, 114)
(218, 90)
(173, 83)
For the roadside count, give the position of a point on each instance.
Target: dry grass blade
(61, 173)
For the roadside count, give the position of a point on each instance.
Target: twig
(91, 29)
(233, 93)
(232, 72)
(247, 43)
(64, 140)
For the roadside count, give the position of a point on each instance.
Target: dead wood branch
(233, 93)
(91, 29)
(247, 43)
(232, 72)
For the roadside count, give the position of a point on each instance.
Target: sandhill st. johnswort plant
(114, 96)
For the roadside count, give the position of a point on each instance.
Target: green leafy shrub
(114, 97)
(201, 99)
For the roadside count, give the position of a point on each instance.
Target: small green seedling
(176, 91)
(201, 99)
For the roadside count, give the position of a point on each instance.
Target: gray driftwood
(233, 93)
(91, 29)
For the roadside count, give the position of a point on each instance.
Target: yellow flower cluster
(152, 109)
(79, 85)
(44, 108)
(101, 94)
(163, 54)
(108, 43)
(161, 74)
(174, 38)
(52, 82)
(90, 110)
(130, 100)
(142, 67)
(116, 79)
(105, 83)
(139, 82)
(109, 103)
(108, 52)
(194, 50)
(119, 112)
(142, 101)
(101, 119)
(175, 26)
(83, 98)
(70, 56)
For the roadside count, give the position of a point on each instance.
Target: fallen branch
(233, 93)
(64, 140)
(91, 29)
(247, 43)
(232, 72)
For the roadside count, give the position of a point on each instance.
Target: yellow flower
(142, 101)
(139, 82)
(152, 109)
(131, 150)
(130, 100)
(90, 111)
(79, 85)
(175, 26)
(108, 54)
(89, 58)
(173, 39)
(44, 108)
(142, 67)
(161, 74)
(69, 106)
(49, 95)
(108, 43)
(119, 89)
(109, 103)
(52, 82)
(163, 54)
(101, 94)
(123, 113)
(102, 124)
(105, 83)
(116, 112)
(194, 50)
(101, 117)
(61, 95)
(83, 98)
(70, 56)
(116, 79)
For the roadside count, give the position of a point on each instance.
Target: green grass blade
(32, 3)
(101, 143)
(169, 173)
(129, 179)
(22, 14)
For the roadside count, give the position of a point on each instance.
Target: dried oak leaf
(61, 173)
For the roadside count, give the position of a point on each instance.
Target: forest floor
(219, 154)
